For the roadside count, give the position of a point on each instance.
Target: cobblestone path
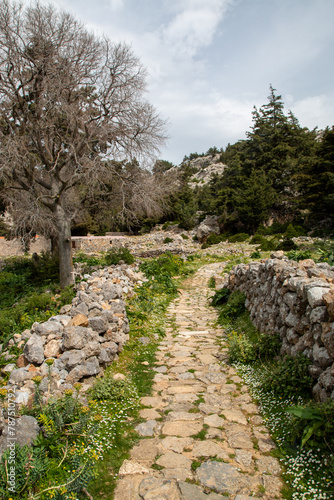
(202, 437)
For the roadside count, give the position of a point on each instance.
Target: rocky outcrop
(210, 225)
(82, 340)
(297, 301)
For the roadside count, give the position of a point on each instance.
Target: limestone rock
(222, 477)
(34, 349)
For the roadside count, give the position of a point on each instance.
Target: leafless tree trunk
(69, 103)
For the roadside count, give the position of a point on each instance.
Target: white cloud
(116, 5)
(315, 111)
(194, 25)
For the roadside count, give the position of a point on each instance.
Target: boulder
(26, 431)
(76, 337)
(34, 349)
(209, 226)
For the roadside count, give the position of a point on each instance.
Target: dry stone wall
(297, 301)
(82, 340)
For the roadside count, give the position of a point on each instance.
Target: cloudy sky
(210, 61)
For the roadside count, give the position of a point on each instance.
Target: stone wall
(297, 301)
(82, 340)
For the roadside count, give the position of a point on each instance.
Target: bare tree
(126, 195)
(69, 103)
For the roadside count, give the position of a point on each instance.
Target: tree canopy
(70, 103)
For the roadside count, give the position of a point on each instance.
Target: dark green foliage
(212, 283)
(168, 240)
(234, 307)
(247, 345)
(90, 260)
(165, 264)
(255, 255)
(114, 256)
(238, 238)
(64, 423)
(287, 245)
(214, 239)
(268, 245)
(317, 181)
(4, 229)
(29, 292)
(220, 297)
(313, 425)
(289, 376)
(299, 255)
(30, 465)
(184, 236)
(326, 253)
(257, 238)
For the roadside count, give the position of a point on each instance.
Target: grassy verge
(302, 428)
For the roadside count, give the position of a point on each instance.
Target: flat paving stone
(146, 428)
(209, 448)
(214, 421)
(181, 428)
(223, 478)
(177, 444)
(146, 450)
(155, 402)
(153, 488)
(172, 460)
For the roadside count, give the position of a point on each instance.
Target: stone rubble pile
(295, 299)
(82, 340)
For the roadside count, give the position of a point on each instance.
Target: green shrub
(257, 239)
(287, 245)
(184, 236)
(113, 256)
(60, 455)
(313, 425)
(326, 253)
(289, 376)
(168, 240)
(268, 245)
(247, 345)
(295, 255)
(234, 307)
(214, 239)
(90, 260)
(238, 238)
(37, 301)
(212, 283)
(109, 389)
(255, 255)
(220, 297)
(165, 264)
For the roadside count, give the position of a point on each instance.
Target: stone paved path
(202, 436)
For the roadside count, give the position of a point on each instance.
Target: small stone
(79, 320)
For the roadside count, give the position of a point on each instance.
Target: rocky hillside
(207, 166)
